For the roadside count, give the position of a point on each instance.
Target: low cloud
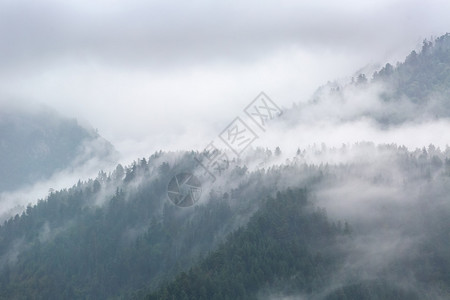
(169, 75)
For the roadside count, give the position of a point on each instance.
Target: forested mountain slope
(37, 142)
(287, 247)
(415, 90)
(361, 221)
(120, 236)
(118, 233)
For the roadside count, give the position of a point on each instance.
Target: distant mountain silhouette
(34, 143)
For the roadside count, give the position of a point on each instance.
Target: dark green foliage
(285, 240)
(420, 76)
(415, 90)
(119, 236)
(116, 235)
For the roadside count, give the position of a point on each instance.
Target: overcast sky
(169, 74)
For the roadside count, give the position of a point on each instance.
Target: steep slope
(421, 76)
(415, 90)
(396, 247)
(287, 247)
(285, 240)
(36, 142)
(118, 233)
(118, 236)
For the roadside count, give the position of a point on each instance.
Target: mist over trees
(119, 235)
(360, 221)
(415, 90)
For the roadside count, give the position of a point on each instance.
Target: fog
(396, 203)
(356, 114)
(170, 75)
(14, 202)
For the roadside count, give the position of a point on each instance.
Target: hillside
(286, 248)
(359, 221)
(37, 142)
(415, 90)
(120, 236)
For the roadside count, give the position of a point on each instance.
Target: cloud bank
(170, 75)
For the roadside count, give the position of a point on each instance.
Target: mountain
(286, 240)
(119, 236)
(116, 234)
(360, 221)
(415, 90)
(286, 246)
(421, 76)
(37, 142)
